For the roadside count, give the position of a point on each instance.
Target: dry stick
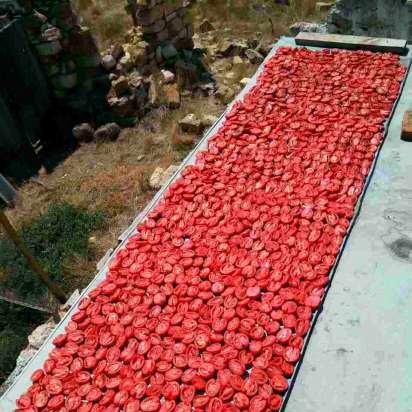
(34, 265)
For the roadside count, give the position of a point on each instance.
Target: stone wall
(67, 53)
(164, 23)
(381, 18)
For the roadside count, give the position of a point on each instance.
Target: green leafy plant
(53, 238)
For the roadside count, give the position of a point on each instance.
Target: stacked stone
(66, 50)
(164, 23)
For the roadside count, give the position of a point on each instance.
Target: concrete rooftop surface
(359, 357)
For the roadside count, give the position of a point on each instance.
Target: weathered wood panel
(341, 41)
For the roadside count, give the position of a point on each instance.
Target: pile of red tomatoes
(207, 307)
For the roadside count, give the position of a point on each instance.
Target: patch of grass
(53, 238)
(107, 19)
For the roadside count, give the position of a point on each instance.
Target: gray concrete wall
(380, 18)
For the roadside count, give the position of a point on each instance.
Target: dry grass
(249, 17)
(107, 19)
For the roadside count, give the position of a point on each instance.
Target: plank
(351, 42)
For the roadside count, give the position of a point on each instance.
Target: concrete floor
(359, 358)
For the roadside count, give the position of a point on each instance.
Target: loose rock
(108, 62)
(155, 180)
(40, 334)
(83, 132)
(160, 176)
(228, 48)
(191, 124)
(167, 76)
(109, 131)
(168, 173)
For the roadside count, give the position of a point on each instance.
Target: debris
(83, 132)
(109, 131)
(191, 124)
(155, 180)
(51, 34)
(137, 53)
(264, 47)
(38, 181)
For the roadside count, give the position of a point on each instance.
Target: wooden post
(34, 265)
